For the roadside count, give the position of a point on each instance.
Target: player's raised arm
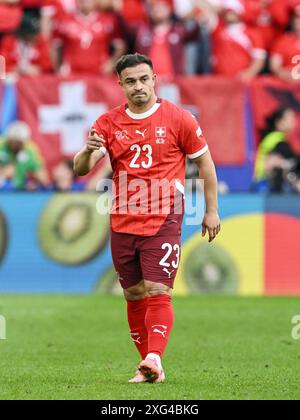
(207, 172)
(90, 155)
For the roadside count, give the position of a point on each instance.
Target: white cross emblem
(161, 132)
(72, 118)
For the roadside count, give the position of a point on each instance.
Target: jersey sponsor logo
(141, 133)
(161, 132)
(122, 135)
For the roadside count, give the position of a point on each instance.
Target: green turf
(78, 347)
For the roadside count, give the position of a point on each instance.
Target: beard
(140, 100)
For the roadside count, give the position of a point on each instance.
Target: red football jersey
(86, 41)
(239, 42)
(270, 18)
(148, 148)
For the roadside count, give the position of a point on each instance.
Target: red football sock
(159, 322)
(136, 312)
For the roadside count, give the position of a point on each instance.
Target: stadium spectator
(238, 50)
(20, 161)
(87, 38)
(163, 39)
(270, 17)
(64, 178)
(134, 12)
(53, 10)
(284, 51)
(277, 167)
(27, 52)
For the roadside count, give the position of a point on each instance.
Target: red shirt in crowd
(18, 54)
(235, 47)
(287, 47)
(58, 8)
(165, 46)
(134, 12)
(10, 17)
(86, 41)
(32, 3)
(160, 54)
(270, 17)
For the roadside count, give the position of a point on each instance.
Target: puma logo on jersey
(156, 330)
(168, 272)
(142, 133)
(136, 340)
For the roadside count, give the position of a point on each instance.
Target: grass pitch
(78, 347)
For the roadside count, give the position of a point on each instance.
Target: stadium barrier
(58, 243)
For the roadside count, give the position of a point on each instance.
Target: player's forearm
(82, 162)
(207, 173)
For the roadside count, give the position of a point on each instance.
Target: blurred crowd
(277, 165)
(22, 167)
(234, 38)
(237, 38)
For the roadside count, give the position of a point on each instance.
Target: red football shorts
(153, 258)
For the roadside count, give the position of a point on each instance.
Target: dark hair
(272, 120)
(132, 60)
(28, 26)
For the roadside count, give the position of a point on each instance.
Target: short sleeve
(192, 141)
(100, 125)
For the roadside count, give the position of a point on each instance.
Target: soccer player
(148, 139)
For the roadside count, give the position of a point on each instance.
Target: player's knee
(157, 289)
(135, 293)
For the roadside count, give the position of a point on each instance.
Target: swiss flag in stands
(60, 112)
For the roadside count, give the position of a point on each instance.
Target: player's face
(138, 83)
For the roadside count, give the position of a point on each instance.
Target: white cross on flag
(71, 118)
(61, 112)
(161, 132)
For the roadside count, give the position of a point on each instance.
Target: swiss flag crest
(160, 132)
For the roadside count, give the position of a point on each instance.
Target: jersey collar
(147, 114)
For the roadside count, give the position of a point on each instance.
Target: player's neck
(136, 109)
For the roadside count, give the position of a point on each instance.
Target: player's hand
(94, 141)
(211, 224)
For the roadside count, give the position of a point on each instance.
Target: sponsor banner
(59, 243)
